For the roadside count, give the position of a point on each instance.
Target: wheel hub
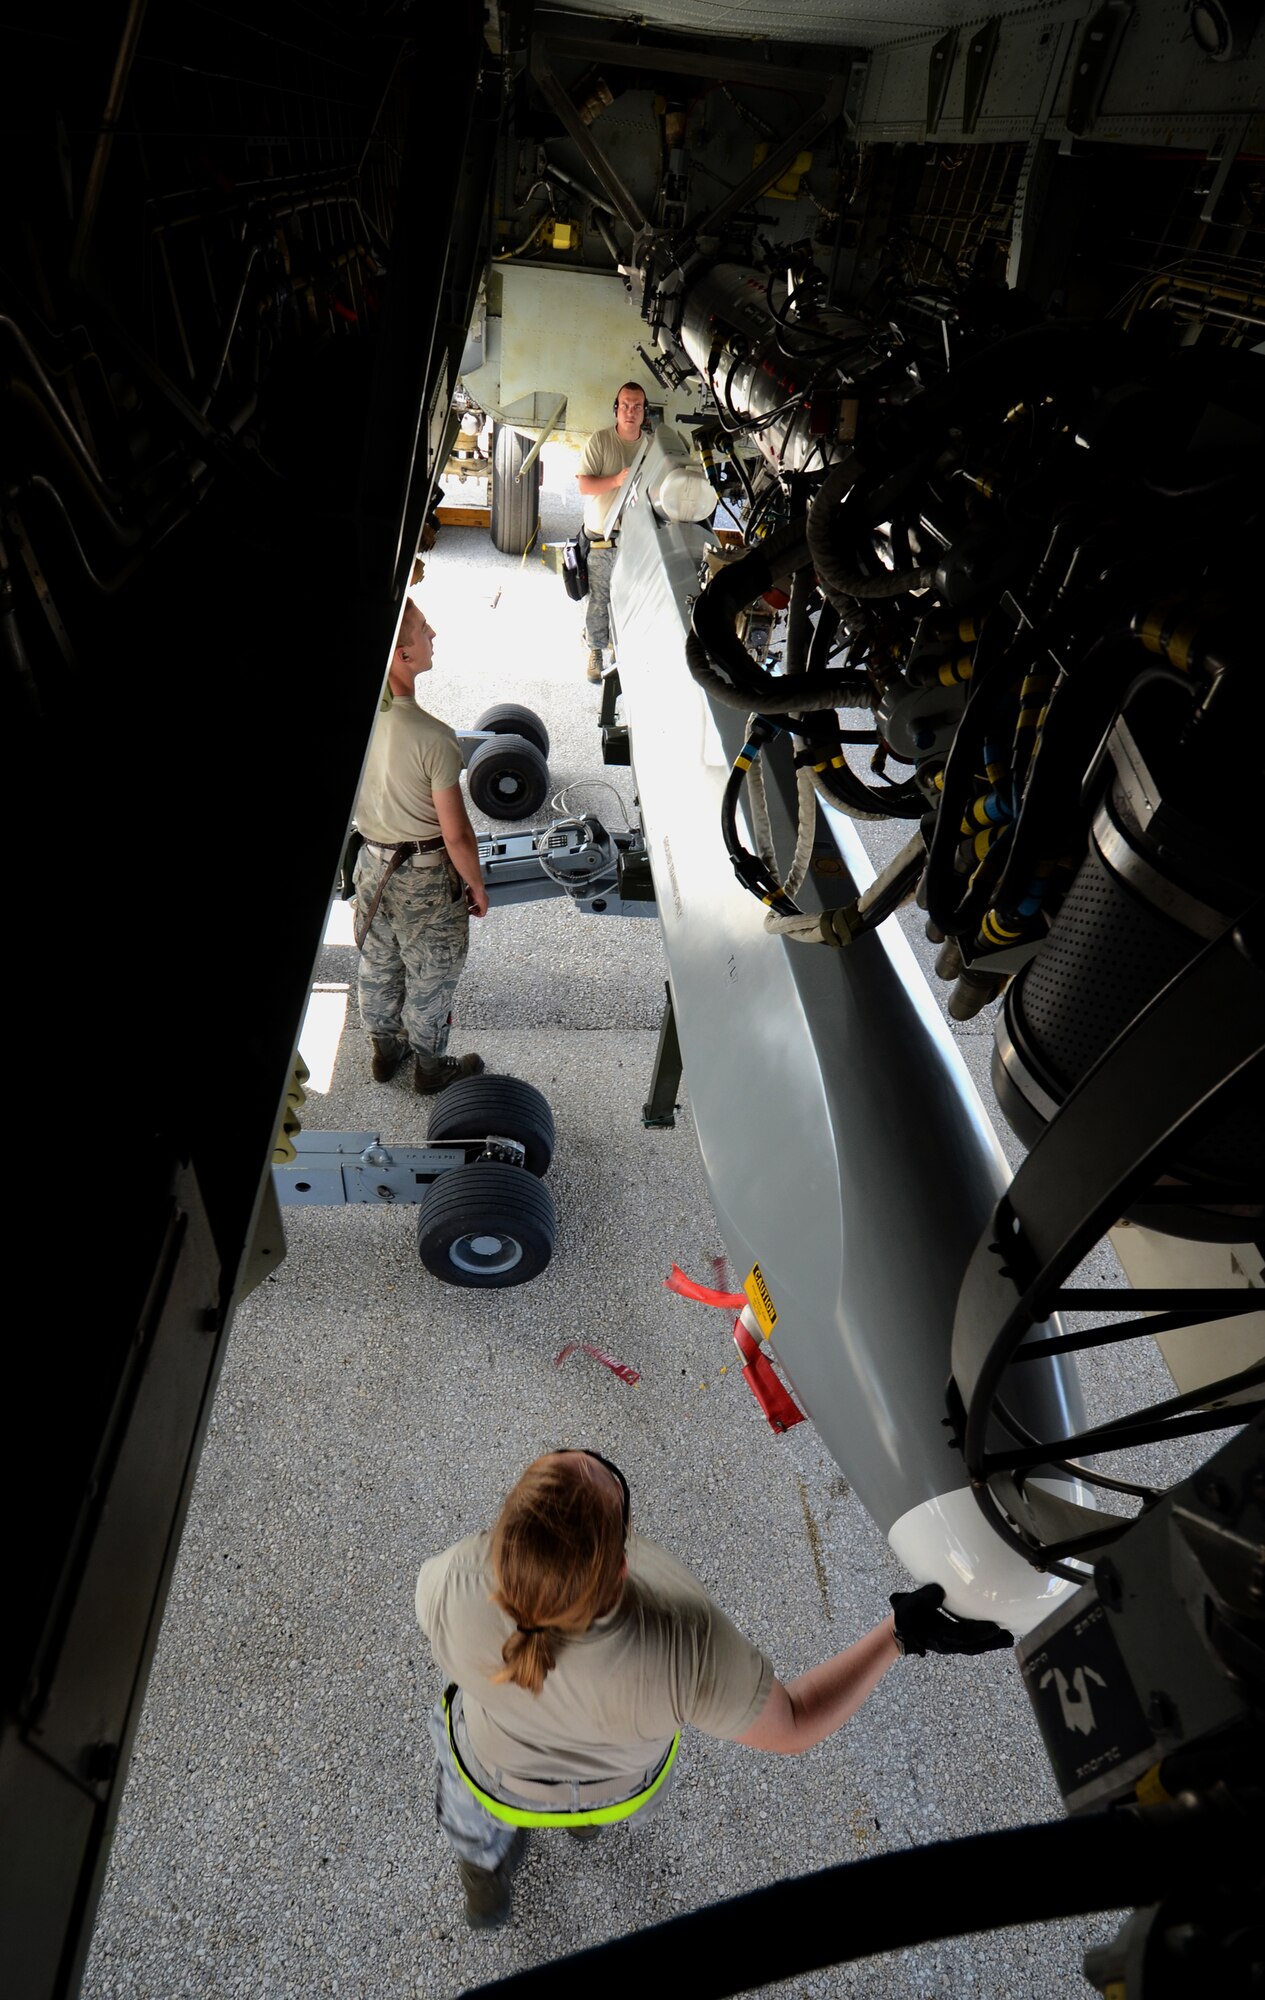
(485, 1254)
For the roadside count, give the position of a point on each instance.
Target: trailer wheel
(507, 718)
(515, 502)
(508, 778)
(486, 1226)
(479, 1106)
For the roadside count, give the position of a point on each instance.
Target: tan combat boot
(489, 1894)
(432, 1073)
(387, 1057)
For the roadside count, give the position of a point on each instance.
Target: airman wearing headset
(576, 1650)
(604, 468)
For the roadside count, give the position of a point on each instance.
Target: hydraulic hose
(799, 629)
(713, 643)
(839, 784)
(950, 907)
(719, 661)
(717, 658)
(1081, 706)
(754, 871)
(823, 638)
(1193, 1851)
(831, 526)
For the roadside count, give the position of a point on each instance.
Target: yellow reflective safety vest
(585, 1816)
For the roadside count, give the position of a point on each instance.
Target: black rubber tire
(506, 718)
(515, 502)
(508, 778)
(477, 1106)
(486, 1226)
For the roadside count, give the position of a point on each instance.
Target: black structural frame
(1167, 1075)
(165, 668)
(1105, 1861)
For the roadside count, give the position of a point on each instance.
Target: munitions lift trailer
(485, 1217)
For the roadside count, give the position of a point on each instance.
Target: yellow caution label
(761, 1300)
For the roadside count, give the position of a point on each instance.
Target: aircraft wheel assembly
(503, 1107)
(515, 501)
(486, 1226)
(510, 718)
(508, 778)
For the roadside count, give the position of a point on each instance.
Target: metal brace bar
(939, 70)
(556, 97)
(858, 74)
(981, 50)
(775, 165)
(1230, 144)
(333, 1168)
(542, 440)
(689, 62)
(1095, 56)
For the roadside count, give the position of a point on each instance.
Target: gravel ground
(276, 1835)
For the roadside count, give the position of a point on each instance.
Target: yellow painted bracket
(786, 187)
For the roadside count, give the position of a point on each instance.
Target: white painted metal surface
(845, 1147)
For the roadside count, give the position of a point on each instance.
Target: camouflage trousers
(412, 957)
(597, 616)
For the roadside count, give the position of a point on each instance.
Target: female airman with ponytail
(576, 1651)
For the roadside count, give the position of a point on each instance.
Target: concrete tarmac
(276, 1836)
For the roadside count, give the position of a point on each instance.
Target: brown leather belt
(406, 846)
(399, 851)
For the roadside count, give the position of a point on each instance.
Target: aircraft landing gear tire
(515, 501)
(486, 1226)
(479, 1107)
(508, 778)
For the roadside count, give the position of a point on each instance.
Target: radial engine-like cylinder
(756, 367)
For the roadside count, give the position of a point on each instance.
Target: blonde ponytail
(558, 1557)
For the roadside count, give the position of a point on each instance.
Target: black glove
(922, 1627)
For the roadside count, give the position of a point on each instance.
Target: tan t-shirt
(412, 755)
(605, 452)
(608, 1711)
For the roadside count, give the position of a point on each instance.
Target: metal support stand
(616, 743)
(660, 1107)
(610, 695)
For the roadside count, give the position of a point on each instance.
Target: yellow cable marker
(1149, 1789)
(1180, 645)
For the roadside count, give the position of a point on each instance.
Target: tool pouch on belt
(575, 566)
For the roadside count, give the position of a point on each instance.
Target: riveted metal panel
(1159, 90)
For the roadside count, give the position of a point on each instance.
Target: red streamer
(689, 1288)
(620, 1368)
